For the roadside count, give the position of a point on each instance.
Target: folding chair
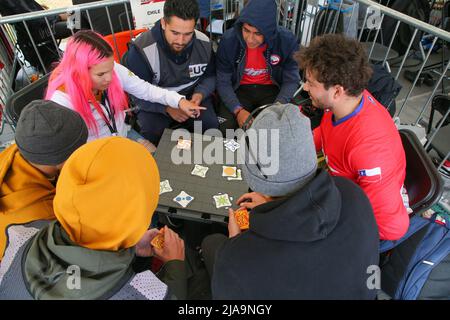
(440, 142)
(423, 182)
(17, 101)
(121, 40)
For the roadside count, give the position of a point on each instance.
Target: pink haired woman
(88, 81)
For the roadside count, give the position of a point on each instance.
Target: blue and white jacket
(191, 71)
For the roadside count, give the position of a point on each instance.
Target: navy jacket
(137, 63)
(319, 243)
(281, 44)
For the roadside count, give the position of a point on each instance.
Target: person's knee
(152, 126)
(212, 242)
(209, 117)
(210, 122)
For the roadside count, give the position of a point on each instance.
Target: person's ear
(163, 24)
(339, 92)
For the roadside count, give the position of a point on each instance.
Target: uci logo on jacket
(196, 70)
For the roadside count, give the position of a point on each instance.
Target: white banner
(146, 12)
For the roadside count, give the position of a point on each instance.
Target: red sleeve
(317, 134)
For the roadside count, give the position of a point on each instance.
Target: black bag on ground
(383, 86)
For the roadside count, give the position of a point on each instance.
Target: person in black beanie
(46, 135)
(310, 236)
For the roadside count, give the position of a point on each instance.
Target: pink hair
(84, 50)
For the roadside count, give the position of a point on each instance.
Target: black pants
(210, 245)
(251, 96)
(153, 124)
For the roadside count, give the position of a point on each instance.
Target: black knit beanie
(47, 133)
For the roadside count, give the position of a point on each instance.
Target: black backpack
(383, 86)
(419, 267)
(419, 9)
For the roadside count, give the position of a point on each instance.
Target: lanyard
(110, 121)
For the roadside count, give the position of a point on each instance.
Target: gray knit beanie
(47, 133)
(280, 156)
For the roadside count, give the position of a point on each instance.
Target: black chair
(441, 141)
(17, 101)
(423, 182)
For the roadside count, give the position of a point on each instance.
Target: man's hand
(197, 98)
(241, 117)
(253, 199)
(177, 114)
(233, 227)
(190, 108)
(173, 247)
(143, 247)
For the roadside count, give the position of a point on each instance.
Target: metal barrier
(362, 19)
(75, 13)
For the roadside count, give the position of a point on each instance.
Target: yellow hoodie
(106, 194)
(25, 193)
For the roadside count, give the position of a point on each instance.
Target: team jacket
(281, 44)
(191, 71)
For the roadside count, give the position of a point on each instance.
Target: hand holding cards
(168, 245)
(158, 240)
(242, 218)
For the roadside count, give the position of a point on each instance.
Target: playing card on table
(199, 171)
(184, 144)
(183, 199)
(222, 200)
(238, 176)
(164, 186)
(229, 171)
(231, 145)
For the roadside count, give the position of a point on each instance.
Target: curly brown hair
(334, 59)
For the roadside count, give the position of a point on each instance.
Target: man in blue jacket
(254, 61)
(175, 56)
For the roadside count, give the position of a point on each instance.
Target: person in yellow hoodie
(46, 135)
(105, 198)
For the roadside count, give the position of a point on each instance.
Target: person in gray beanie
(310, 236)
(272, 170)
(46, 135)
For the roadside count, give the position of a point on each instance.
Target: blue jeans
(134, 135)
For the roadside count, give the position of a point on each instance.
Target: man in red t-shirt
(255, 64)
(356, 134)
